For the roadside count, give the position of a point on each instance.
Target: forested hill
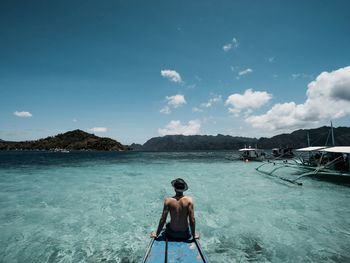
(72, 140)
(296, 139)
(196, 142)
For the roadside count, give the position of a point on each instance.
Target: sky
(132, 70)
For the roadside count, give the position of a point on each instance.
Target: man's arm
(192, 220)
(162, 220)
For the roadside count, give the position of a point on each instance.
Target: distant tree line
(80, 140)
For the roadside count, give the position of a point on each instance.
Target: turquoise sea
(102, 206)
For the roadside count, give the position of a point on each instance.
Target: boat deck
(171, 251)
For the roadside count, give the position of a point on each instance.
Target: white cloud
(227, 47)
(271, 59)
(98, 129)
(165, 110)
(75, 120)
(248, 100)
(176, 100)
(171, 75)
(176, 127)
(301, 75)
(213, 100)
(196, 109)
(328, 97)
(233, 44)
(247, 113)
(23, 114)
(234, 111)
(245, 72)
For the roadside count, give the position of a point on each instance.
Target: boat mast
(332, 133)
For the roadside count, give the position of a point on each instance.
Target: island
(71, 140)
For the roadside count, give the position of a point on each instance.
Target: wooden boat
(282, 153)
(333, 164)
(309, 157)
(322, 162)
(172, 251)
(251, 154)
(329, 163)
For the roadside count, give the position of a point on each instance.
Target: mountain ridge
(296, 139)
(80, 140)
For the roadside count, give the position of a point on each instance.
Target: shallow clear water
(101, 207)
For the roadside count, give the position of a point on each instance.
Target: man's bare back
(181, 210)
(181, 213)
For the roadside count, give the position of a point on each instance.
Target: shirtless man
(181, 214)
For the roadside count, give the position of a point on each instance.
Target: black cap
(179, 185)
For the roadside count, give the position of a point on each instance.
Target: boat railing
(332, 164)
(204, 258)
(148, 250)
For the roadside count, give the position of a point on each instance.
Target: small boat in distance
(59, 150)
(251, 154)
(283, 153)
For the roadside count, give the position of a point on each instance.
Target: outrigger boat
(309, 156)
(333, 163)
(330, 163)
(251, 154)
(282, 153)
(165, 250)
(323, 162)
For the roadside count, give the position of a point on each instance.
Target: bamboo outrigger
(331, 163)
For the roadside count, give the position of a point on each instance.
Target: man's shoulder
(169, 199)
(188, 198)
(184, 198)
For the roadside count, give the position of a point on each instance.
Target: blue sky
(132, 70)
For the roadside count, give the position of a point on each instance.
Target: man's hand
(153, 234)
(196, 236)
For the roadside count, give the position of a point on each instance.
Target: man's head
(179, 185)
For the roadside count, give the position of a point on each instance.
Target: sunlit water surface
(101, 207)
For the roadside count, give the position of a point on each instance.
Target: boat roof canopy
(310, 149)
(247, 149)
(338, 149)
